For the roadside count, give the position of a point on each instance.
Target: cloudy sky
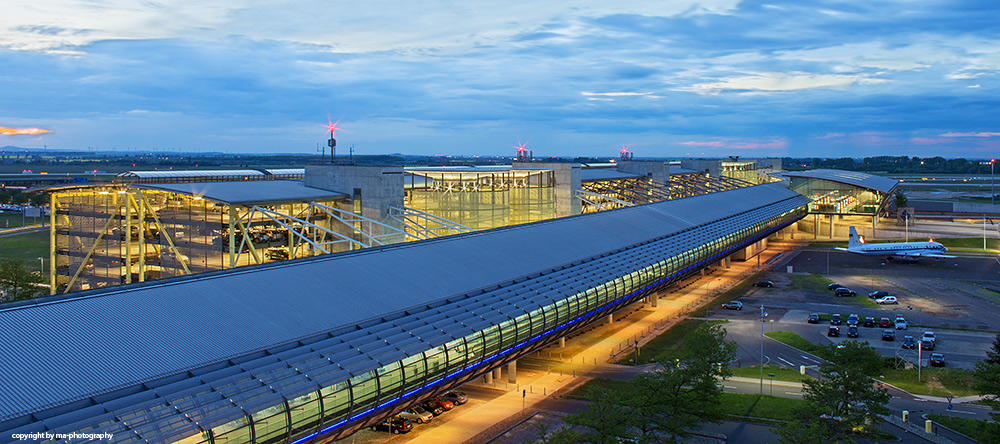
(669, 78)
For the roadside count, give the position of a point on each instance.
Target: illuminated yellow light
(103, 192)
(121, 192)
(197, 198)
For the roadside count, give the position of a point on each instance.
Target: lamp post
(762, 315)
(41, 266)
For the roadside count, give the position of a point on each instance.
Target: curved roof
(855, 178)
(130, 335)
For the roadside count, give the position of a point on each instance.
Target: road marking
(786, 361)
(794, 393)
(808, 358)
(962, 411)
(729, 387)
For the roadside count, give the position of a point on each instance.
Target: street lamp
(763, 314)
(41, 266)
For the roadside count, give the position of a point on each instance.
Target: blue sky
(672, 78)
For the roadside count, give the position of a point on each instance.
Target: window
(305, 412)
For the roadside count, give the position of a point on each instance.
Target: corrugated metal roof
(249, 192)
(591, 175)
(191, 173)
(858, 179)
(128, 335)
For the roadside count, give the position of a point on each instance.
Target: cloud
(981, 134)
(23, 131)
(774, 82)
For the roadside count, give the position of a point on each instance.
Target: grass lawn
(581, 391)
(970, 244)
(935, 381)
(780, 374)
(27, 247)
(811, 281)
(666, 345)
(761, 406)
(793, 339)
(974, 428)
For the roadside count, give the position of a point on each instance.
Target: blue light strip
(493, 357)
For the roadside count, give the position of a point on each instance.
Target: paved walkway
(587, 353)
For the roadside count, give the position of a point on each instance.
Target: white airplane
(906, 250)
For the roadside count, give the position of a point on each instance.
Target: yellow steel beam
(53, 201)
(170, 242)
(93, 248)
(246, 238)
(128, 239)
(232, 237)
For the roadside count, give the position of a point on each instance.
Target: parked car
(926, 344)
(844, 291)
(767, 284)
(884, 323)
(888, 335)
(886, 300)
(394, 425)
(835, 319)
(900, 323)
(909, 342)
(813, 318)
(852, 331)
(418, 417)
(937, 360)
(432, 407)
(832, 287)
(732, 305)
(878, 294)
(833, 331)
(852, 319)
(456, 398)
(929, 335)
(444, 403)
(869, 321)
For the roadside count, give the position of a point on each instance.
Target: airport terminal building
(311, 350)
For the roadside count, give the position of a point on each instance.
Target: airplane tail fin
(854, 240)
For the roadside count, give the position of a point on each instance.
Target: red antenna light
(332, 127)
(625, 153)
(523, 155)
(521, 147)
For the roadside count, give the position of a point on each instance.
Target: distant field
(27, 247)
(12, 220)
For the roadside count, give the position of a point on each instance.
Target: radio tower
(332, 143)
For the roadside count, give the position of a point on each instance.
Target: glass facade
(482, 199)
(831, 197)
(331, 385)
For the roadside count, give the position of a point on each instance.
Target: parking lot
(951, 297)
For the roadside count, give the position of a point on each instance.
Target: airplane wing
(841, 249)
(924, 254)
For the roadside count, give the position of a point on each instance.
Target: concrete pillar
(611, 318)
(562, 342)
(831, 226)
(497, 373)
(376, 187)
(652, 300)
(512, 372)
(729, 261)
(488, 377)
(722, 263)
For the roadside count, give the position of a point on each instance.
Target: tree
(987, 374)
(993, 355)
(18, 281)
(843, 399)
(663, 405)
(900, 199)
